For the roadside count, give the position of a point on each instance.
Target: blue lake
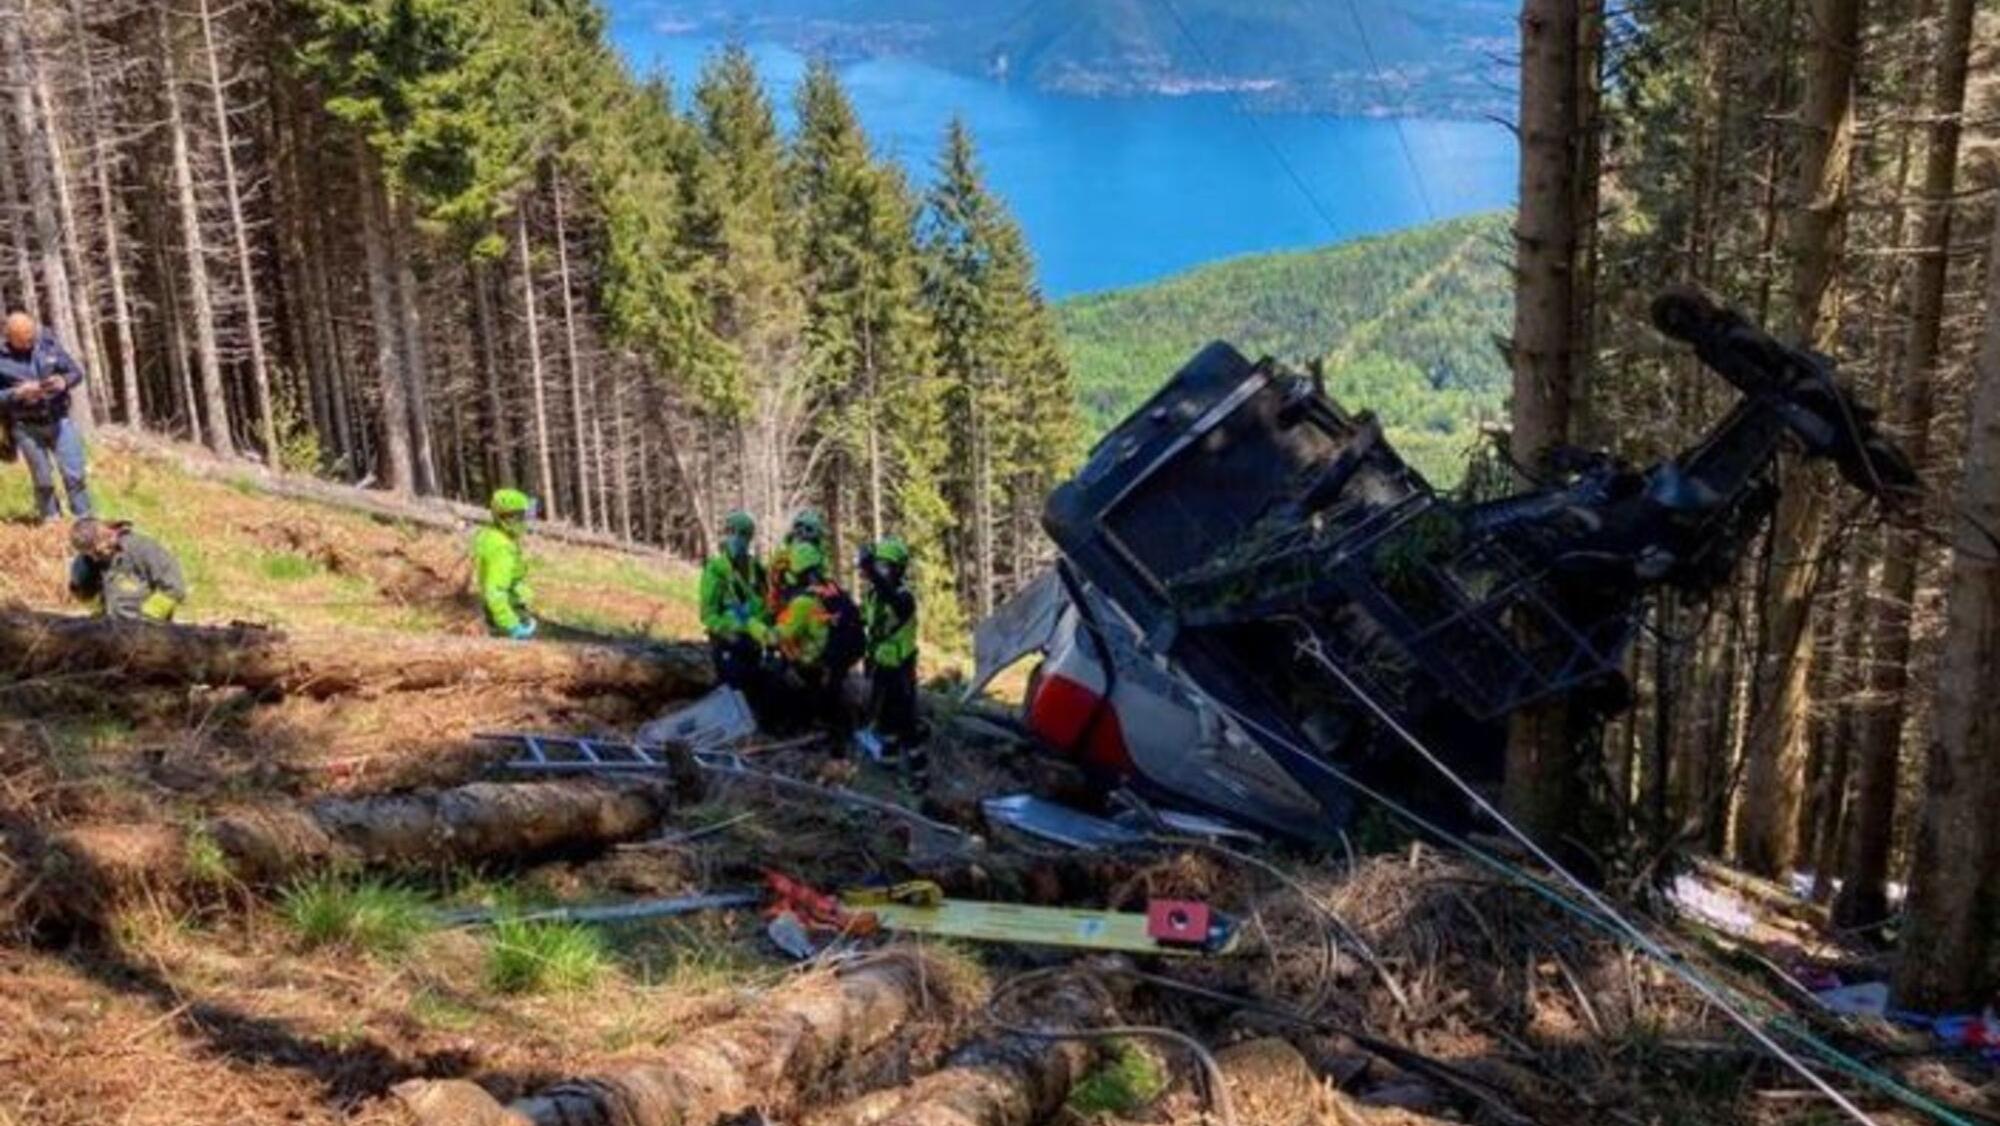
(1116, 191)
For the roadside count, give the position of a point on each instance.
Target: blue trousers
(49, 447)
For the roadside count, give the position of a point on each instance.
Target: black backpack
(846, 640)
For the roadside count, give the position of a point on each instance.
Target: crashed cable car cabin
(1253, 586)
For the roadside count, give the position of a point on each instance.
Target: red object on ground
(1178, 922)
(1062, 714)
(814, 909)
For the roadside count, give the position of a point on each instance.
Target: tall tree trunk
(208, 354)
(620, 459)
(1863, 897)
(416, 356)
(111, 216)
(983, 486)
(398, 469)
(239, 227)
(579, 419)
(29, 296)
(499, 434)
(180, 378)
(82, 330)
(1767, 841)
(544, 468)
(53, 269)
(1541, 772)
(1951, 941)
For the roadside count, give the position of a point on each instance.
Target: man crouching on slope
(129, 576)
(500, 568)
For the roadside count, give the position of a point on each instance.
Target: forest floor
(1436, 991)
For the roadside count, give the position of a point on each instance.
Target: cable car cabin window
(1183, 512)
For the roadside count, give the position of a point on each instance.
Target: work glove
(523, 630)
(158, 607)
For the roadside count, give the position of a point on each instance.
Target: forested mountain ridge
(1425, 59)
(447, 245)
(1405, 323)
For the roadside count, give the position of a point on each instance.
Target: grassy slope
(252, 557)
(1406, 323)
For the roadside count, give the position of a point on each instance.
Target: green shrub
(286, 567)
(371, 916)
(207, 864)
(1126, 1082)
(543, 957)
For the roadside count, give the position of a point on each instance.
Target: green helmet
(512, 502)
(739, 523)
(892, 550)
(809, 526)
(803, 559)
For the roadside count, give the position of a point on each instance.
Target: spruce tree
(1010, 403)
(751, 285)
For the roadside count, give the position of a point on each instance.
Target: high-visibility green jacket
(804, 627)
(890, 617)
(500, 570)
(732, 597)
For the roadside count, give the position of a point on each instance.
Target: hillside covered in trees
(446, 245)
(1439, 58)
(1405, 325)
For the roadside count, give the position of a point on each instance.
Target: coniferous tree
(746, 233)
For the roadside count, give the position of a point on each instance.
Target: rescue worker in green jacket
(889, 621)
(128, 575)
(500, 570)
(808, 526)
(733, 610)
(819, 639)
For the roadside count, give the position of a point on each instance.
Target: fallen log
(480, 823)
(798, 1037)
(337, 663)
(1005, 1080)
(85, 872)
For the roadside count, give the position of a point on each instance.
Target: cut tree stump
(1006, 1080)
(338, 663)
(796, 1037)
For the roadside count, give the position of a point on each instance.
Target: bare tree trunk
(499, 445)
(17, 225)
(127, 375)
(398, 470)
(1863, 898)
(239, 226)
(208, 354)
(579, 420)
(1767, 842)
(54, 271)
(1541, 767)
(82, 330)
(1950, 943)
(620, 461)
(983, 485)
(416, 357)
(544, 469)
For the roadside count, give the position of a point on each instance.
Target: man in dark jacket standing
(36, 378)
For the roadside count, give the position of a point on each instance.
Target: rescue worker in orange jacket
(819, 639)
